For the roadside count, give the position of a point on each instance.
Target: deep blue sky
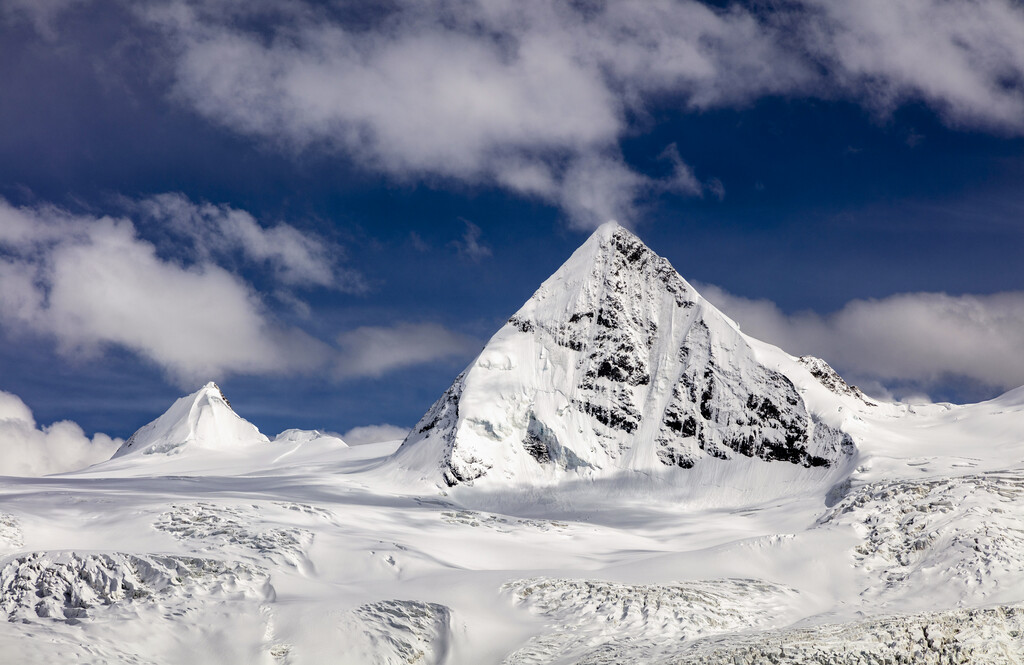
(840, 183)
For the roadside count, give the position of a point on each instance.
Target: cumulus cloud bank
(531, 96)
(535, 96)
(918, 337)
(91, 282)
(28, 450)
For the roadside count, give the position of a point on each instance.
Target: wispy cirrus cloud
(295, 258)
(375, 350)
(471, 246)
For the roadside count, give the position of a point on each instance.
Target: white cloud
(12, 409)
(27, 450)
(470, 246)
(526, 95)
(358, 436)
(599, 187)
(682, 179)
(296, 258)
(376, 350)
(93, 282)
(41, 14)
(535, 96)
(917, 337)
(964, 58)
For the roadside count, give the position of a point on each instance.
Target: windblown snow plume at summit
(621, 475)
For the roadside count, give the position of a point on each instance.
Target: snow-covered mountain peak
(307, 436)
(617, 365)
(203, 420)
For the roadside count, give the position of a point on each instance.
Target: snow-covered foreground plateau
(620, 476)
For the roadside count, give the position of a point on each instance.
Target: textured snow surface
(209, 528)
(70, 586)
(10, 534)
(622, 476)
(592, 618)
(963, 535)
(396, 632)
(994, 636)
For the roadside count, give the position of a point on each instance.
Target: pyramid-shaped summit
(617, 364)
(203, 420)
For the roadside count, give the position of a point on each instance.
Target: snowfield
(621, 476)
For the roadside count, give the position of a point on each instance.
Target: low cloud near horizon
(91, 282)
(29, 450)
(358, 436)
(920, 339)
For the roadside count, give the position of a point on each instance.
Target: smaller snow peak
(201, 420)
(311, 436)
(211, 389)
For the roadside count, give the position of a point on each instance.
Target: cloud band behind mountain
(920, 338)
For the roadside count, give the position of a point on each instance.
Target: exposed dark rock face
(543, 446)
(829, 378)
(440, 421)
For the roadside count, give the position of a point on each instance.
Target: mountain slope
(615, 365)
(203, 420)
